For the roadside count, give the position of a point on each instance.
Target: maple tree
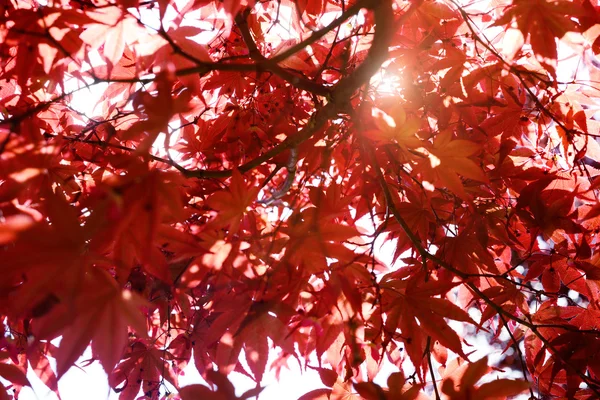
(225, 200)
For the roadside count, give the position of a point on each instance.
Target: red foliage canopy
(227, 195)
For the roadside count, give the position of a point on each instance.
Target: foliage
(227, 197)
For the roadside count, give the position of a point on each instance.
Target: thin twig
(431, 371)
(519, 352)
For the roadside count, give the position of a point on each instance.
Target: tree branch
(316, 35)
(431, 371)
(262, 62)
(340, 95)
(464, 276)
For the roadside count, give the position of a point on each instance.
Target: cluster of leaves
(226, 198)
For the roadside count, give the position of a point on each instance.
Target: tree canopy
(232, 196)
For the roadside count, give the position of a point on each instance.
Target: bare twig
(431, 371)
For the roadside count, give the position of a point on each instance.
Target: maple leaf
(43, 37)
(136, 206)
(157, 110)
(551, 369)
(397, 389)
(466, 251)
(252, 333)
(229, 83)
(142, 367)
(312, 8)
(312, 240)
(397, 127)
(555, 269)
(113, 30)
(460, 380)
(544, 21)
(448, 158)
(549, 208)
(419, 218)
(190, 53)
(101, 315)
(49, 256)
(37, 171)
(510, 121)
(507, 297)
(13, 374)
(39, 362)
(342, 390)
(231, 204)
(413, 309)
(225, 390)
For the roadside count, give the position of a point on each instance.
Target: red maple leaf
(231, 204)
